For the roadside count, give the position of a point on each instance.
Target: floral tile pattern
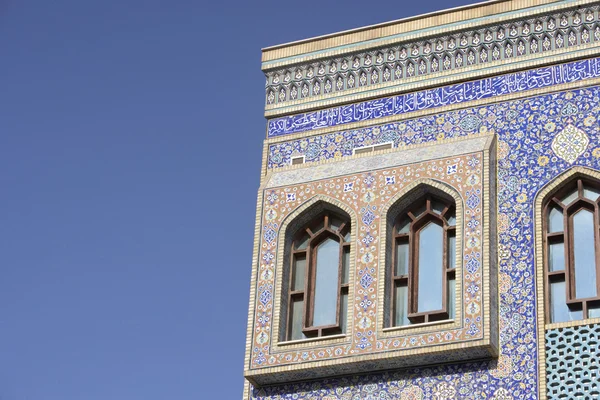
(527, 161)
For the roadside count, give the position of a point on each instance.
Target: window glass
(401, 259)
(420, 210)
(296, 318)
(430, 268)
(451, 219)
(451, 251)
(326, 283)
(346, 264)
(437, 207)
(403, 226)
(584, 254)
(556, 261)
(555, 220)
(451, 298)
(335, 223)
(302, 242)
(570, 197)
(401, 306)
(343, 311)
(299, 271)
(594, 312)
(591, 193)
(559, 311)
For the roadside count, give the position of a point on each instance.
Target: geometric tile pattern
(526, 163)
(371, 193)
(573, 362)
(484, 46)
(436, 97)
(548, 115)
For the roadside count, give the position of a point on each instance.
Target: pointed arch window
(572, 252)
(423, 266)
(318, 278)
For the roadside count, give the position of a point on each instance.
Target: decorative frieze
(392, 65)
(438, 97)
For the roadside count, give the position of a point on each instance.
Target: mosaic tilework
(484, 46)
(573, 364)
(437, 97)
(551, 109)
(526, 162)
(365, 194)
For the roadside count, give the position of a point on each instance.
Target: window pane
(591, 193)
(594, 312)
(299, 271)
(570, 197)
(556, 257)
(430, 268)
(347, 237)
(401, 259)
(317, 226)
(451, 219)
(302, 242)
(420, 210)
(559, 311)
(451, 251)
(346, 265)
(437, 207)
(403, 226)
(335, 223)
(451, 301)
(343, 311)
(326, 283)
(296, 317)
(555, 220)
(401, 306)
(584, 253)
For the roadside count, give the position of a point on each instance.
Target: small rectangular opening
(297, 160)
(383, 146)
(363, 150)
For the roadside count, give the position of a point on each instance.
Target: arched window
(422, 271)
(572, 251)
(318, 277)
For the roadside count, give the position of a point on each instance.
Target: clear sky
(130, 144)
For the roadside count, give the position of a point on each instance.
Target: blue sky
(130, 145)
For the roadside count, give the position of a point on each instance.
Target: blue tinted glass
(585, 254)
(555, 220)
(556, 257)
(430, 268)
(401, 259)
(343, 311)
(559, 312)
(451, 251)
(296, 317)
(326, 283)
(401, 306)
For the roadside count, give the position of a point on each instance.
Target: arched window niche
(316, 273)
(422, 253)
(569, 216)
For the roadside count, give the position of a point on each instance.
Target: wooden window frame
(315, 238)
(411, 280)
(568, 273)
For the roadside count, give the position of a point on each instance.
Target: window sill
(569, 324)
(310, 340)
(424, 324)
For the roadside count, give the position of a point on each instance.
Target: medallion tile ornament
(570, 143)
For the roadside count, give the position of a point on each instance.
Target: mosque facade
(428, 218)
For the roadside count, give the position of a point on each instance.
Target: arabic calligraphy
(437, 97)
